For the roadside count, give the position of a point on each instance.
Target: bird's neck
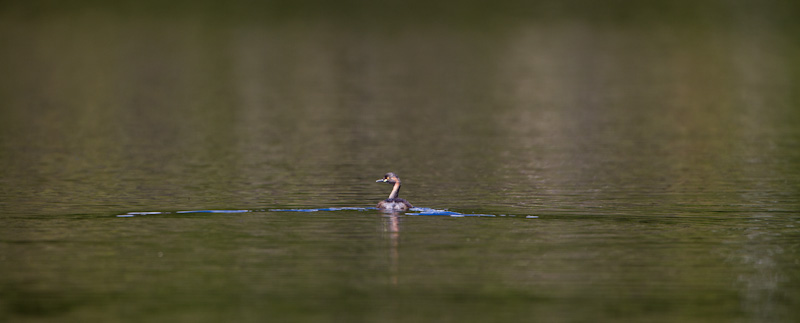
(395, 191)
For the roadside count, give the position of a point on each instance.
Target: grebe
(393, 203)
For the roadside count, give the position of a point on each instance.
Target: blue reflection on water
(132, 214)
(216, 211)
(325, 209)
(414, 211)
(428, 211)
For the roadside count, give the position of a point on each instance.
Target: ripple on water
(133, 214)
(414, 211)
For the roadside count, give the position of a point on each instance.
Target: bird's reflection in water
(392, 230)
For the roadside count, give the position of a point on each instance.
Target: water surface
(628, 169)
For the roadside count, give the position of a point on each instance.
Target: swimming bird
(393, 203)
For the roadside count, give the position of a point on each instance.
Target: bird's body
(393, 203)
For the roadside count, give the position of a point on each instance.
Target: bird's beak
(381, 181)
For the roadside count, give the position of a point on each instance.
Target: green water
(641, 163)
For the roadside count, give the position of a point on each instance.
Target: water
(567, 164)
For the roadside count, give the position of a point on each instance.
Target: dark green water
(641, 163)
